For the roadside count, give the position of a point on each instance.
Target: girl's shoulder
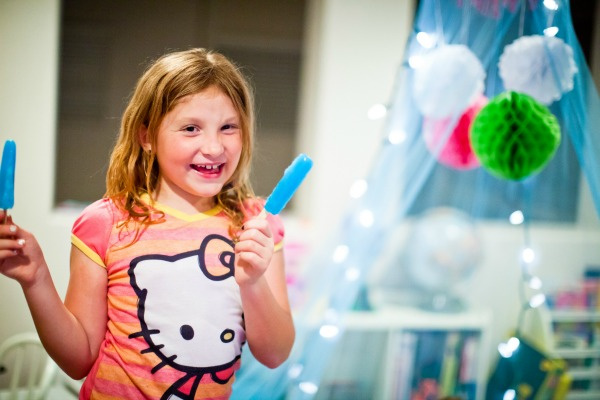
(103, 212)
(91, 230)
(102, 208)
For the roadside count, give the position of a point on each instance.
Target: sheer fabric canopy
(408, 176)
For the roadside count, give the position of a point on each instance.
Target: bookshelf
(393, 353)
(576, 339)
(575, 322)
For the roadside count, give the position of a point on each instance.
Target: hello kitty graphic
(189, 310)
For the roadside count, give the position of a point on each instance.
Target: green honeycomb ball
(514, 136)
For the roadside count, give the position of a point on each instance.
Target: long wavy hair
(133, 172)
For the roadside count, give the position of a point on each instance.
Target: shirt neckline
(180, 214)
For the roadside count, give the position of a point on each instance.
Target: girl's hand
(254, 251)
(21, 257)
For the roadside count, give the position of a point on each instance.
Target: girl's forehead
(209, 93)
(208, 103)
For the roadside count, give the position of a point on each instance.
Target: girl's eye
(229, 128)
(190, 129)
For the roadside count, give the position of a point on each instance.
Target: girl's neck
(186, 204)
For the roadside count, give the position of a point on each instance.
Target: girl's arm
(71, 331)
(261, 276)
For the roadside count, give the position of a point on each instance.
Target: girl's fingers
(248, 258)
(8, 229)
(259, 224)
(11, 244)
(256, 231)
(250, 246)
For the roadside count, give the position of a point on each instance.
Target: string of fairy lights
(520, 111)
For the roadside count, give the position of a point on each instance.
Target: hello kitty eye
(187, 332)
(227, 335)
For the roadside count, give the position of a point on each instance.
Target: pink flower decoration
(456, 152)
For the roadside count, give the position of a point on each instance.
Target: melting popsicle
(7, 176)
(291, 180)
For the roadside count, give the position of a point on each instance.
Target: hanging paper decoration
(540, 66)
(514, 136)
(456, 152)
(447, 80)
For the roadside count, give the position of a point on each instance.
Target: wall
(28, 80)
(102, 57)
(351, 57)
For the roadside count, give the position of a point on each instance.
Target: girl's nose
(211, 144)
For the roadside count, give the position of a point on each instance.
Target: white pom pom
(447, 80)
(540, 66)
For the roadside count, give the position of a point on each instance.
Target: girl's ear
(143, 138)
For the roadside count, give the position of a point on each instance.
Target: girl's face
(199, 144)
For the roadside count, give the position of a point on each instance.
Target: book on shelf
(429, 365)
(469, 368)
(403, 348)
(450, 364)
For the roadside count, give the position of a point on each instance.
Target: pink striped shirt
(175, 319)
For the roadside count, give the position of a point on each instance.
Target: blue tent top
(406, 178)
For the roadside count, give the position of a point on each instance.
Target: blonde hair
(132, 172)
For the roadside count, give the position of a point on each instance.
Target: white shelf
(591, 373)
(409, 318)
(582, 373)
(384, 327)
(575, 315)
(577, 353)
(583, 395)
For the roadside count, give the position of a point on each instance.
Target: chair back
(29, 369)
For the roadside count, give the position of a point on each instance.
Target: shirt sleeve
(254, 207)
(277, 229)
(91, 231)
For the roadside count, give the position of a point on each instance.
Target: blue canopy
(407, 177)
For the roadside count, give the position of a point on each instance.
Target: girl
(172, 271)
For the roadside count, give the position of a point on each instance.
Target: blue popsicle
(7, 175)
(291, 180)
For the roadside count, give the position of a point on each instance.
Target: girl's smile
(209, 170)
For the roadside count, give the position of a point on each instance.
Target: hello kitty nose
(227, 335)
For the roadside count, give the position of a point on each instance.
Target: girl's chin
(209, 190)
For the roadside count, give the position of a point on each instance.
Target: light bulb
(329, 331)
(352, 274)
(415, 61)
(551, 31)
(516, 218)
(528, 255)
(510, 394)
(340, 253)
(551, 5)
(377, 111)
(366, 218)
(358, 188)
(427, 40)
(397, 136)
(537, 300)
(308, 387)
